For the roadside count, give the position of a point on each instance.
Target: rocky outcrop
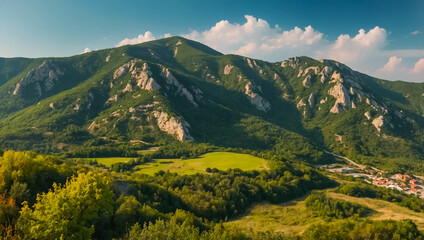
(312, 100)
(179, 89)
(300, 104)
(314, 69)
(41, 79)
(251, 63)
(336, 77)
(255, 99)
(93, 127)
(325, 74)
(140, 73)
(323, 100)
(172, 125)
(379, 122)
(307, 81)
(339, 92)
(121, 71)
(227, 69)
(128, 88)
(367, 115)
(114, 98)
(144, 78)
(291, 62)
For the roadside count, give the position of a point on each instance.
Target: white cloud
(86, 50)
(256, 38)
(419, 67)
(392, 65)
(148, 36)
(350, 50)
(415, 32)
(167, 35)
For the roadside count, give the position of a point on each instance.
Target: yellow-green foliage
(66, 211)
(219, 160)
(27, 173)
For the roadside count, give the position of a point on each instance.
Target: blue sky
(391, 44)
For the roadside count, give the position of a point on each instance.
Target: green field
(219, 160)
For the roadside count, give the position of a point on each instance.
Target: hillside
(176, 90)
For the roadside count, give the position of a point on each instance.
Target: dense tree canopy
(68, 211)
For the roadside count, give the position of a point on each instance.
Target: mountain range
(176, 90)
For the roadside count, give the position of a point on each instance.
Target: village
(401, 182)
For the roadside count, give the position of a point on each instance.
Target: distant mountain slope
(175, 89)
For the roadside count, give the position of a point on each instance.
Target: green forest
(49, 197)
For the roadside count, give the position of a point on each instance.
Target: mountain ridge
(177, 89)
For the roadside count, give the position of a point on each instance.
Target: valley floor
(293, 218)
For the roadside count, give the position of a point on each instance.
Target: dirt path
(352, 162)
(383, 209)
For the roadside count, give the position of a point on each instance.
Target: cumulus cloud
(419, 67)
(86, 50)
(351, 49)
(147, 36)
(256, 38)
(392, 65)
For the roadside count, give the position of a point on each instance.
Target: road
(352, 162)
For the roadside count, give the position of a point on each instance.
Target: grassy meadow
(294, 218)
(219, 160)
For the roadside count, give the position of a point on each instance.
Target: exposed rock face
(107, 58)
(252, 63)
(325, 73)
(291, 62)
(312, 100)
(144, 78)
(172, 125)
(249, 62)
(128, 88)
(339, 92)
(142, 75)
(121, 71)
(41, 79)
(77, 107)
(255, 99)
(93, 126)
(300, 104)
(307, 81)
(227, 69)
(51, 106)
(179, 88)
(367, 115)
(314, 69)
(336, 77)
(379, 122)
(113, 99)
